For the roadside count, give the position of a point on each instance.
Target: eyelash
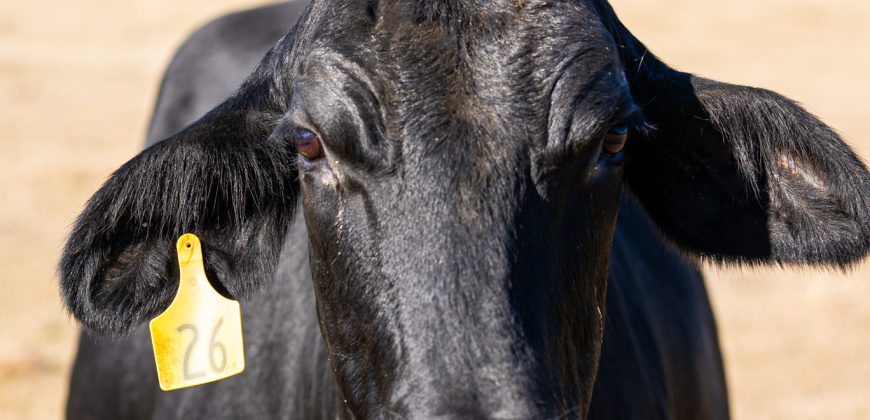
(620, 133)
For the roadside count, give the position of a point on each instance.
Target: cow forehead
(483, 72)
(461, 48)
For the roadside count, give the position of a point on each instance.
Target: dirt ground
(77, 80)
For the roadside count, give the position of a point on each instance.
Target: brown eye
(615, 139)
(307, 144)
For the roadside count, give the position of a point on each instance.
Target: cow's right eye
(307, 144)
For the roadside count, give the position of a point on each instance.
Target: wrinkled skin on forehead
(458, 218)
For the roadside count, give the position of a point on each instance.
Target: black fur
(221, 179)
(753, 170)
(738, 174)
(461, 224)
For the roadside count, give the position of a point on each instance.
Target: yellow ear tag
(198, 339)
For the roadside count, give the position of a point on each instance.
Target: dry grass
(77, 80)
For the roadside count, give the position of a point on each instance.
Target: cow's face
(460, 165)
(460, 177)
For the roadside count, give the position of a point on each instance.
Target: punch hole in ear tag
(198, 339)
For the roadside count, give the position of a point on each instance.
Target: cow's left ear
(741, 174)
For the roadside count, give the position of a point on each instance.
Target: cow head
(460, 166)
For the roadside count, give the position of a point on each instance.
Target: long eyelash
(637, 121)
(282, 130)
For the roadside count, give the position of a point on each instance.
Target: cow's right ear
(222, 178)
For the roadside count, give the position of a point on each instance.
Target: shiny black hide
(713, 171)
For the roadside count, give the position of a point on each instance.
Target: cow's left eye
(615, 139)
(307, 144)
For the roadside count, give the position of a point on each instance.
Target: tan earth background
(78, 79)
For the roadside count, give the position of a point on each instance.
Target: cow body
(659, 357)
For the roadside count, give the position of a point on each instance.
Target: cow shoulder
(213, 61)
(660, 355)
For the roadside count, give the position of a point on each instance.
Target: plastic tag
(198, 339)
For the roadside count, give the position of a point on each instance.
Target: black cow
(494, 196)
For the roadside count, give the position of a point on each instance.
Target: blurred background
(78, 79)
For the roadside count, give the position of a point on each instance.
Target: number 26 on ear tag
(198, 339)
